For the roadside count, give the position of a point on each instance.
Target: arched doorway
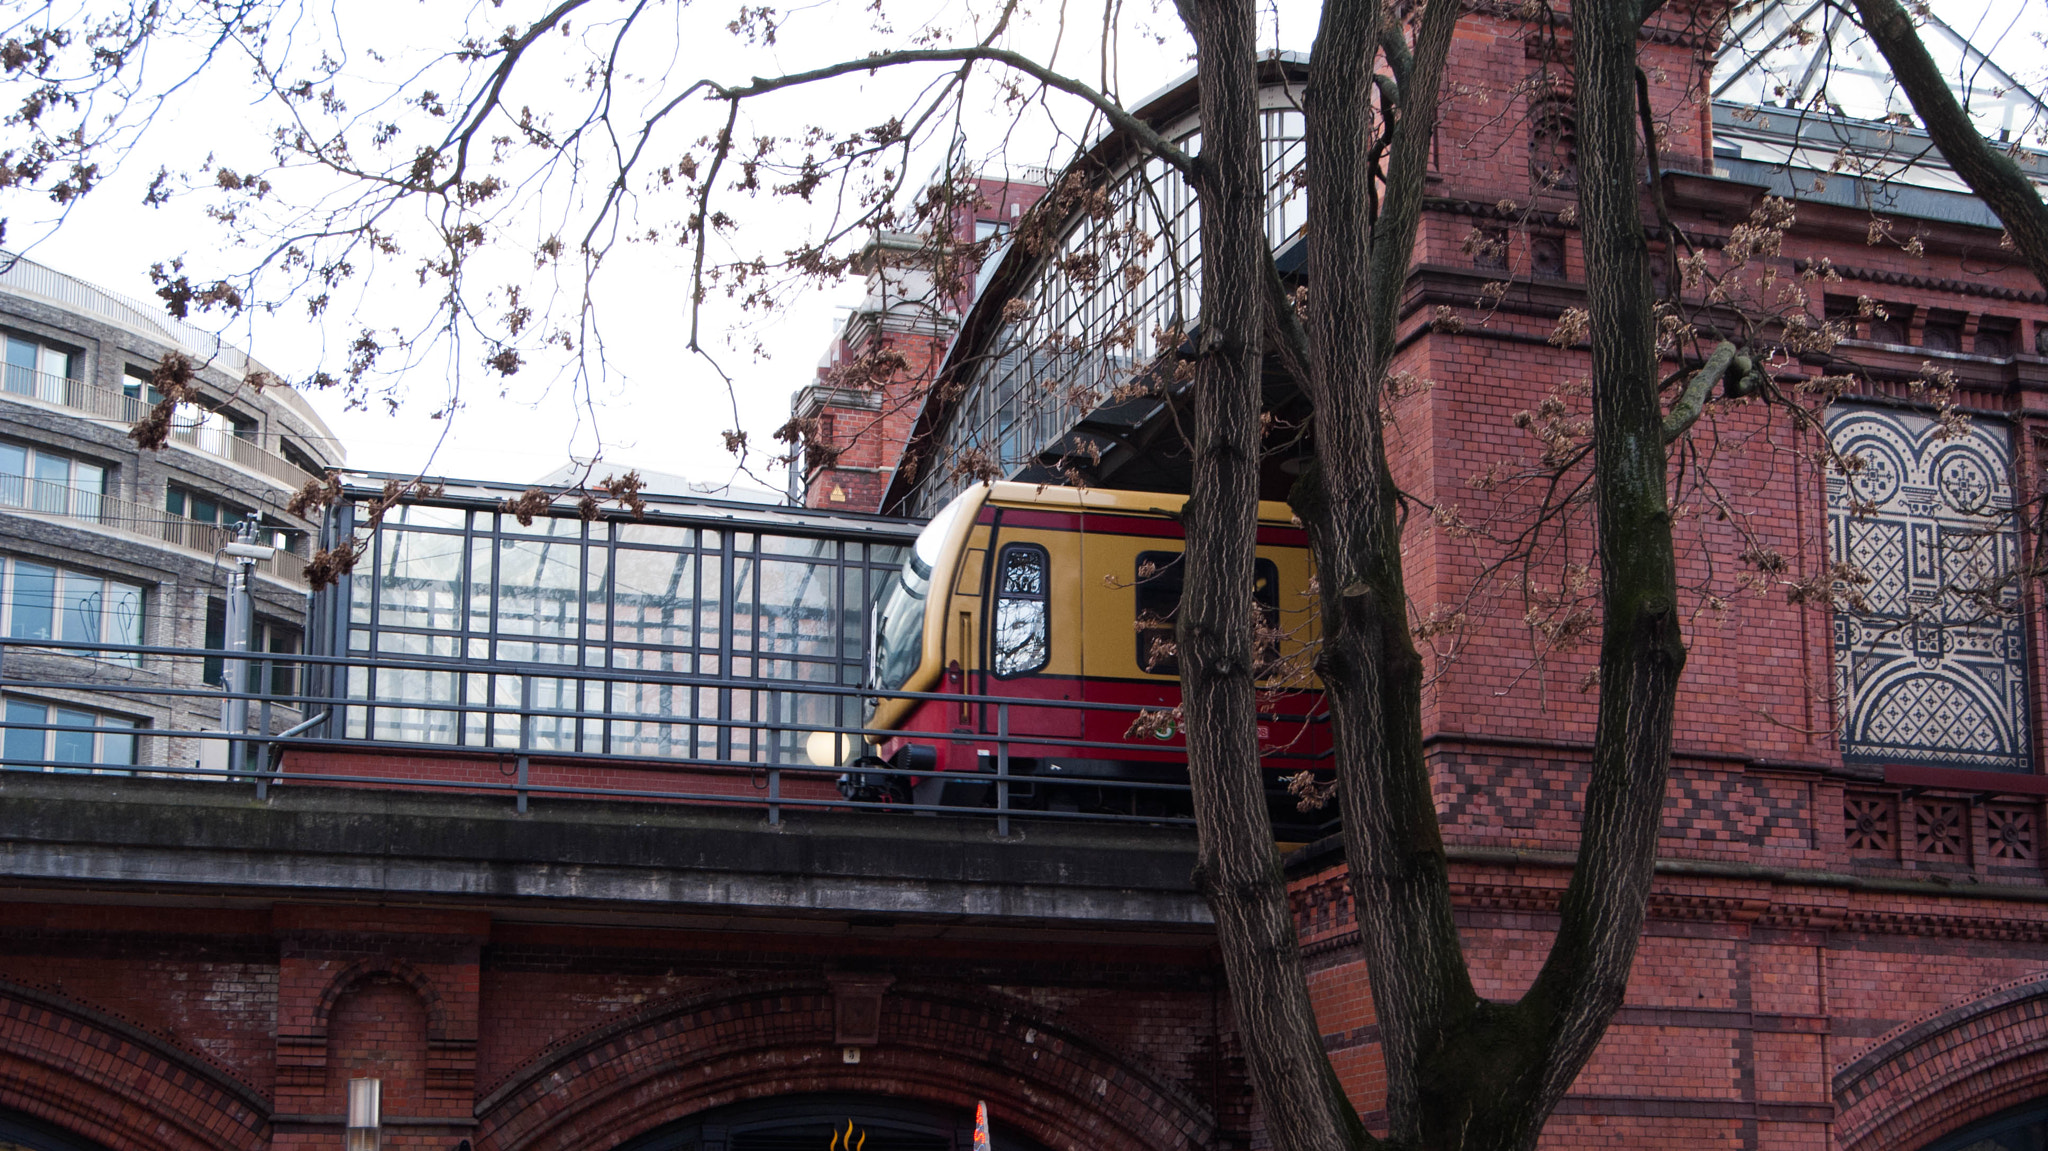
(2024, 1128)
(19, 1132)
(809, 1123)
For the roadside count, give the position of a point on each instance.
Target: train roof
(1012, 493)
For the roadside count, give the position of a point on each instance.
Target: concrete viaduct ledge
(69, 835)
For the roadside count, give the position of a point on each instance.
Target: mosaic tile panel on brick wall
(1930, 656)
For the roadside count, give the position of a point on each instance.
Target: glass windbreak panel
(1022, 632)
(643, 715)
(482, 578)
(556, 527)
(745, 614)
(420, 516)
(540, 591)
(401, 714)
(660, 535)
(33, 608)
(798, 546)
(72, 747)
(23, 746)
(597, 596)
(419, 578)
(796, 611)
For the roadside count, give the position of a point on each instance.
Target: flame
(844, 1140)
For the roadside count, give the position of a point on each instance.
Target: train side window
(1159, 586)
(1023, 619)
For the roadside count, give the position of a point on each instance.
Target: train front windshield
(899, 614)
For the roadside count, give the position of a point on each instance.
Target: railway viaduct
(183, 966)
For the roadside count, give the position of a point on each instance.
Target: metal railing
(110, 404)
(243, 451)
(1016, 775)
(48, 498)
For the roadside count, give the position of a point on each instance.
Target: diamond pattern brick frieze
(2010, 832)
(1939, 828)
(1929, 644)
(1871, 823)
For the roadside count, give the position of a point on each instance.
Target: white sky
(654, 406)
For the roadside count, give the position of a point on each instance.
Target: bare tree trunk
(1239, 870)
(1371, 671)
(1464, 1073)
(1642, 651)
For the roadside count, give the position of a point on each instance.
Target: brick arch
(355, 973)
(1061, 1087)
(97, 1077)
(1938, 1074)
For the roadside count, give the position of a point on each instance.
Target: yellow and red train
(1051, 596)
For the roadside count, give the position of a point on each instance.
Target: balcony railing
(43, 498)
(109, 404)
(531, 750)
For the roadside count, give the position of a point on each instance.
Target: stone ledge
(316, 842)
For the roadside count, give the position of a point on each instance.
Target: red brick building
(464, 888)
(850, 426)
(1849, 942)
(184, 968)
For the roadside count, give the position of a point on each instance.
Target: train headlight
(827, 748)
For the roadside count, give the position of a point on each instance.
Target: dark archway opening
(19, 1132)
(2022, 1128)
(809, 1122)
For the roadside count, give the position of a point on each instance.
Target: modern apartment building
(105, 542)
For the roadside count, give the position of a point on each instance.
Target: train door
(1030, 631)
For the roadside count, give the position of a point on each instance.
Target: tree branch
(1114, 112)
(1291, 339)
(1693, 399)
(1984, 167)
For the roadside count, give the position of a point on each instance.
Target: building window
(43, 602)
(1160, 575)
(1553, 143)
(59, 737)
(199, 508)
(1943, 331)
(1997, 336)
(267, 638)
(135, 384)
(278, 639)
(1023, 617)
(212, 432)
(1930, 654)
(37, 369)
(211, 670)
(49, 482)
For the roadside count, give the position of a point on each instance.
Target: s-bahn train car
(1049, 596)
